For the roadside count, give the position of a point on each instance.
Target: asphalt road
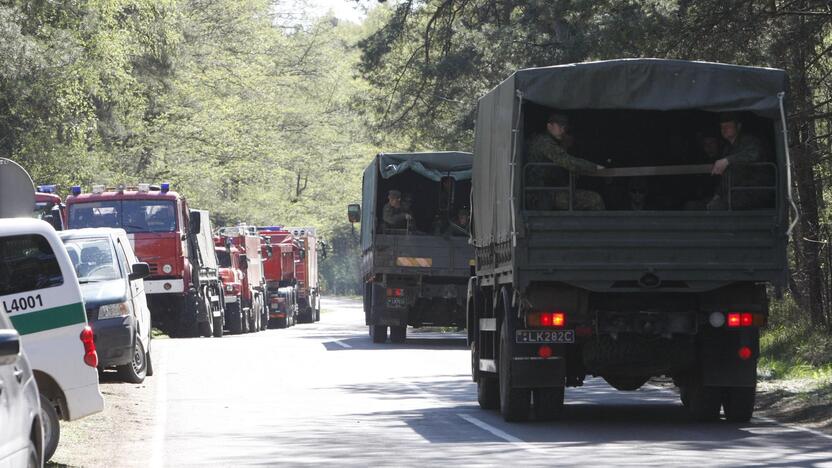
(322, 393)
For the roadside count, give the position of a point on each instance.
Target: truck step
(488, 324)
(488, 365)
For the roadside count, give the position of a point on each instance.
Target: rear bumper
(164, 286)
(114, 340)
(84, 401)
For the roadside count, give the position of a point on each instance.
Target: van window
(27, 263)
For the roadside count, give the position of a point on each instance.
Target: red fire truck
(245, 311)
(280, 276)
(306, 273)
(49, 207)
(183, 290)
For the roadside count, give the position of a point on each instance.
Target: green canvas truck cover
(637, 84)
(431, 165)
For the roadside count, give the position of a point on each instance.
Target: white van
(112, 285)
(40, 293)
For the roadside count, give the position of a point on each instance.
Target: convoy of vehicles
(549, 294)
(242, 253)
(624, 293)
(415, 274)
(112, 286)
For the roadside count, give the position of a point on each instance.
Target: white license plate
(545, 336)
(396, 302)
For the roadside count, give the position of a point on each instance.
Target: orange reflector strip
(414, 262)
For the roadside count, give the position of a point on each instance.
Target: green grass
(156, 333)
(791, 348)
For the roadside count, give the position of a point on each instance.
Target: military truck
(414, 274)
(669, 286)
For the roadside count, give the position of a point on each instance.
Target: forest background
(263, 114)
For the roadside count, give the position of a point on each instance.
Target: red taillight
(546, 319)
(744, 353)
(88, 339)
(745, 319)
(395, 292)
(544, 351)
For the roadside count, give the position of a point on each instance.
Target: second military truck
(414, 272)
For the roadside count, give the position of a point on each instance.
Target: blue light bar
(50, 188)
(270, 228)
(76, 190)
(165, 186)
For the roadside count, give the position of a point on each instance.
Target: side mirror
(9, 346)
(302, 254)
(195, 220)
(323, 249)
(244, 262)
(140, 270)
(269, 250)
(354, 212)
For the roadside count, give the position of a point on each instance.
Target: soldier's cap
(558, 118)
(729, 117)
(394, 194)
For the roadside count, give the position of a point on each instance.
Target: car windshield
(93, 258)
(131, 215)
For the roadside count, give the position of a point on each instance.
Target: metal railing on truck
(650, 171)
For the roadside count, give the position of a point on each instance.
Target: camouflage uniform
(745, 149)
(545, 148)
(394, 217)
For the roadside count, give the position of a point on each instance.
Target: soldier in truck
(394, 215)
(550, 146)
(741, 147)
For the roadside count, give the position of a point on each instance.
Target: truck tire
(398, 334)
(218, 325)
(136, 370)
(234, 317)
(738, 403)
(244, 320)
(488, 393)
(51, 428)
(318, 313)
(514, 402)
(548, 403)
(704, 402)
(206, 328)
(378, 333)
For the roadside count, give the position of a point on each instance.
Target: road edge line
(520, 443)
(339, 343)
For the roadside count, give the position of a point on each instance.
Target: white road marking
(502, 434)
(158, 447)
(340, 343)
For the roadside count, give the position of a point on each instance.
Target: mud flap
(381, 314)
(719, 355)
(535, 372)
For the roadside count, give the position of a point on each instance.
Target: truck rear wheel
(218, 331)
(548, 403)
(738, 403)
(398, 334)
(378, 333)
(488, 392)
(704, 402)
(514, 402)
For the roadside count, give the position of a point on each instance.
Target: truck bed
(418, 255)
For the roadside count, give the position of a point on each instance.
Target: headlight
(229, 287)
(113, 310)
(167, 269)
